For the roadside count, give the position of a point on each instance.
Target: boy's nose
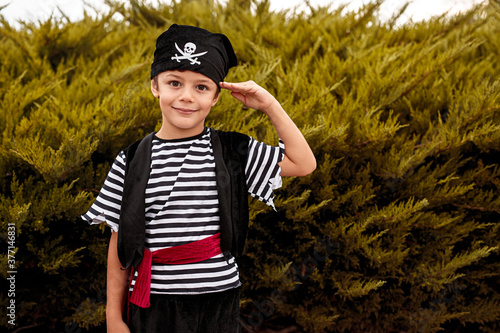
(186, 95)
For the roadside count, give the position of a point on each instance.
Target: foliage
(397, 229)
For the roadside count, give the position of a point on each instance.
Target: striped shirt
(182, 207)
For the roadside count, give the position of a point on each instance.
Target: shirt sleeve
(106, 207)
(263, 173)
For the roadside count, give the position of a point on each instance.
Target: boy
(177, 199)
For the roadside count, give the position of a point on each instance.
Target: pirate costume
(180, 206)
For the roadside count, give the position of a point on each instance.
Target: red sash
(183, 254)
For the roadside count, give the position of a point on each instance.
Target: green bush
(396, 231)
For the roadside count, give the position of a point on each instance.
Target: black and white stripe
(261, 170)
(182, 207)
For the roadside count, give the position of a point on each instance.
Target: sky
(33, 10)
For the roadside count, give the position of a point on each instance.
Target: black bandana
(184, 47)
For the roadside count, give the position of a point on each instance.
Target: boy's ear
(216, 98)
(154, 88)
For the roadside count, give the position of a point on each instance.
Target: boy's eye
(202, 87)
(175, 83)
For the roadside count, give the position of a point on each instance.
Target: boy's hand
(251, 94)
(117, 327)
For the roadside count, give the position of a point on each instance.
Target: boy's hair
(184, 47)
(155, 82)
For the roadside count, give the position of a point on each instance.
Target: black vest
(230, 153)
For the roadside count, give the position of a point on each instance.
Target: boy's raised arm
(299, 159)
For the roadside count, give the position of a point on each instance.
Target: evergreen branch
(357, 288)
(458, 23)
(459, 261)
(289, 85)
(406, 209)
(65, 172)
(394, 18)
(370, 9)
(324, 93)
(11, 34)
(27, 327)
(120, 79)
(478, 114)
(418, 82)
(91, 190)
(482, 209)
(363, 54)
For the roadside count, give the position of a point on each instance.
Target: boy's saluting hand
(251, 94)
(299, 159)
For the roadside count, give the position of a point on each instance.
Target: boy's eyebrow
(171, 74)
(177, 76)
(205, 81)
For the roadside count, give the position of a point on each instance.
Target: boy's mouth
(183, 110)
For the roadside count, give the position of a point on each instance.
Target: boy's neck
(166, 134)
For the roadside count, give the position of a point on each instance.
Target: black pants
(204, 313)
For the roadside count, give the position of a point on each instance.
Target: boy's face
(185, 99)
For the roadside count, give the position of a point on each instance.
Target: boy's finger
(240, 87)
(226, 84)
(239, 96)
(230, 86)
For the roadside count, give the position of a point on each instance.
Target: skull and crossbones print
(188, 53)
